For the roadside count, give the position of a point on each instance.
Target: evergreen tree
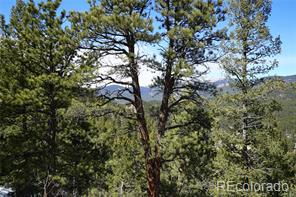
(248, 140)
(188, 155)
(65, 132)
(41, 75)
(113, 29)
(19, 152)
(189, 39)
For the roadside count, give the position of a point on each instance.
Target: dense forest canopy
(74, 120)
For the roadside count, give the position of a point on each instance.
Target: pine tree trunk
(152, 162)
(153, 176)
(245, 126)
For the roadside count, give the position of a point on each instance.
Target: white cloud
(146, 75)
(215, 72)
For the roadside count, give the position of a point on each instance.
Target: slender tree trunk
(245, 151)
(153, 165)
(245, 124)
(152, 161)
(163, 115)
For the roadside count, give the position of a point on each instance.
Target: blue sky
(282, 22)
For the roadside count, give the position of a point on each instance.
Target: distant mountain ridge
(150, 94)
(289, 79)
(224, 82)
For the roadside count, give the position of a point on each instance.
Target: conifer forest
(76, 121)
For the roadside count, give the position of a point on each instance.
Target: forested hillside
(286, 117)
(74, 120)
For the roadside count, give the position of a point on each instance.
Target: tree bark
(152, 161)
(245, 122)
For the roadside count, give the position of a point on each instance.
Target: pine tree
(246, 127)
(19, 154)
(113, 29)
(189, 39)
(42, 74)
(188, 155)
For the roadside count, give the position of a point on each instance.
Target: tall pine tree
(246, 124)
(41, 75)
(114, 28)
